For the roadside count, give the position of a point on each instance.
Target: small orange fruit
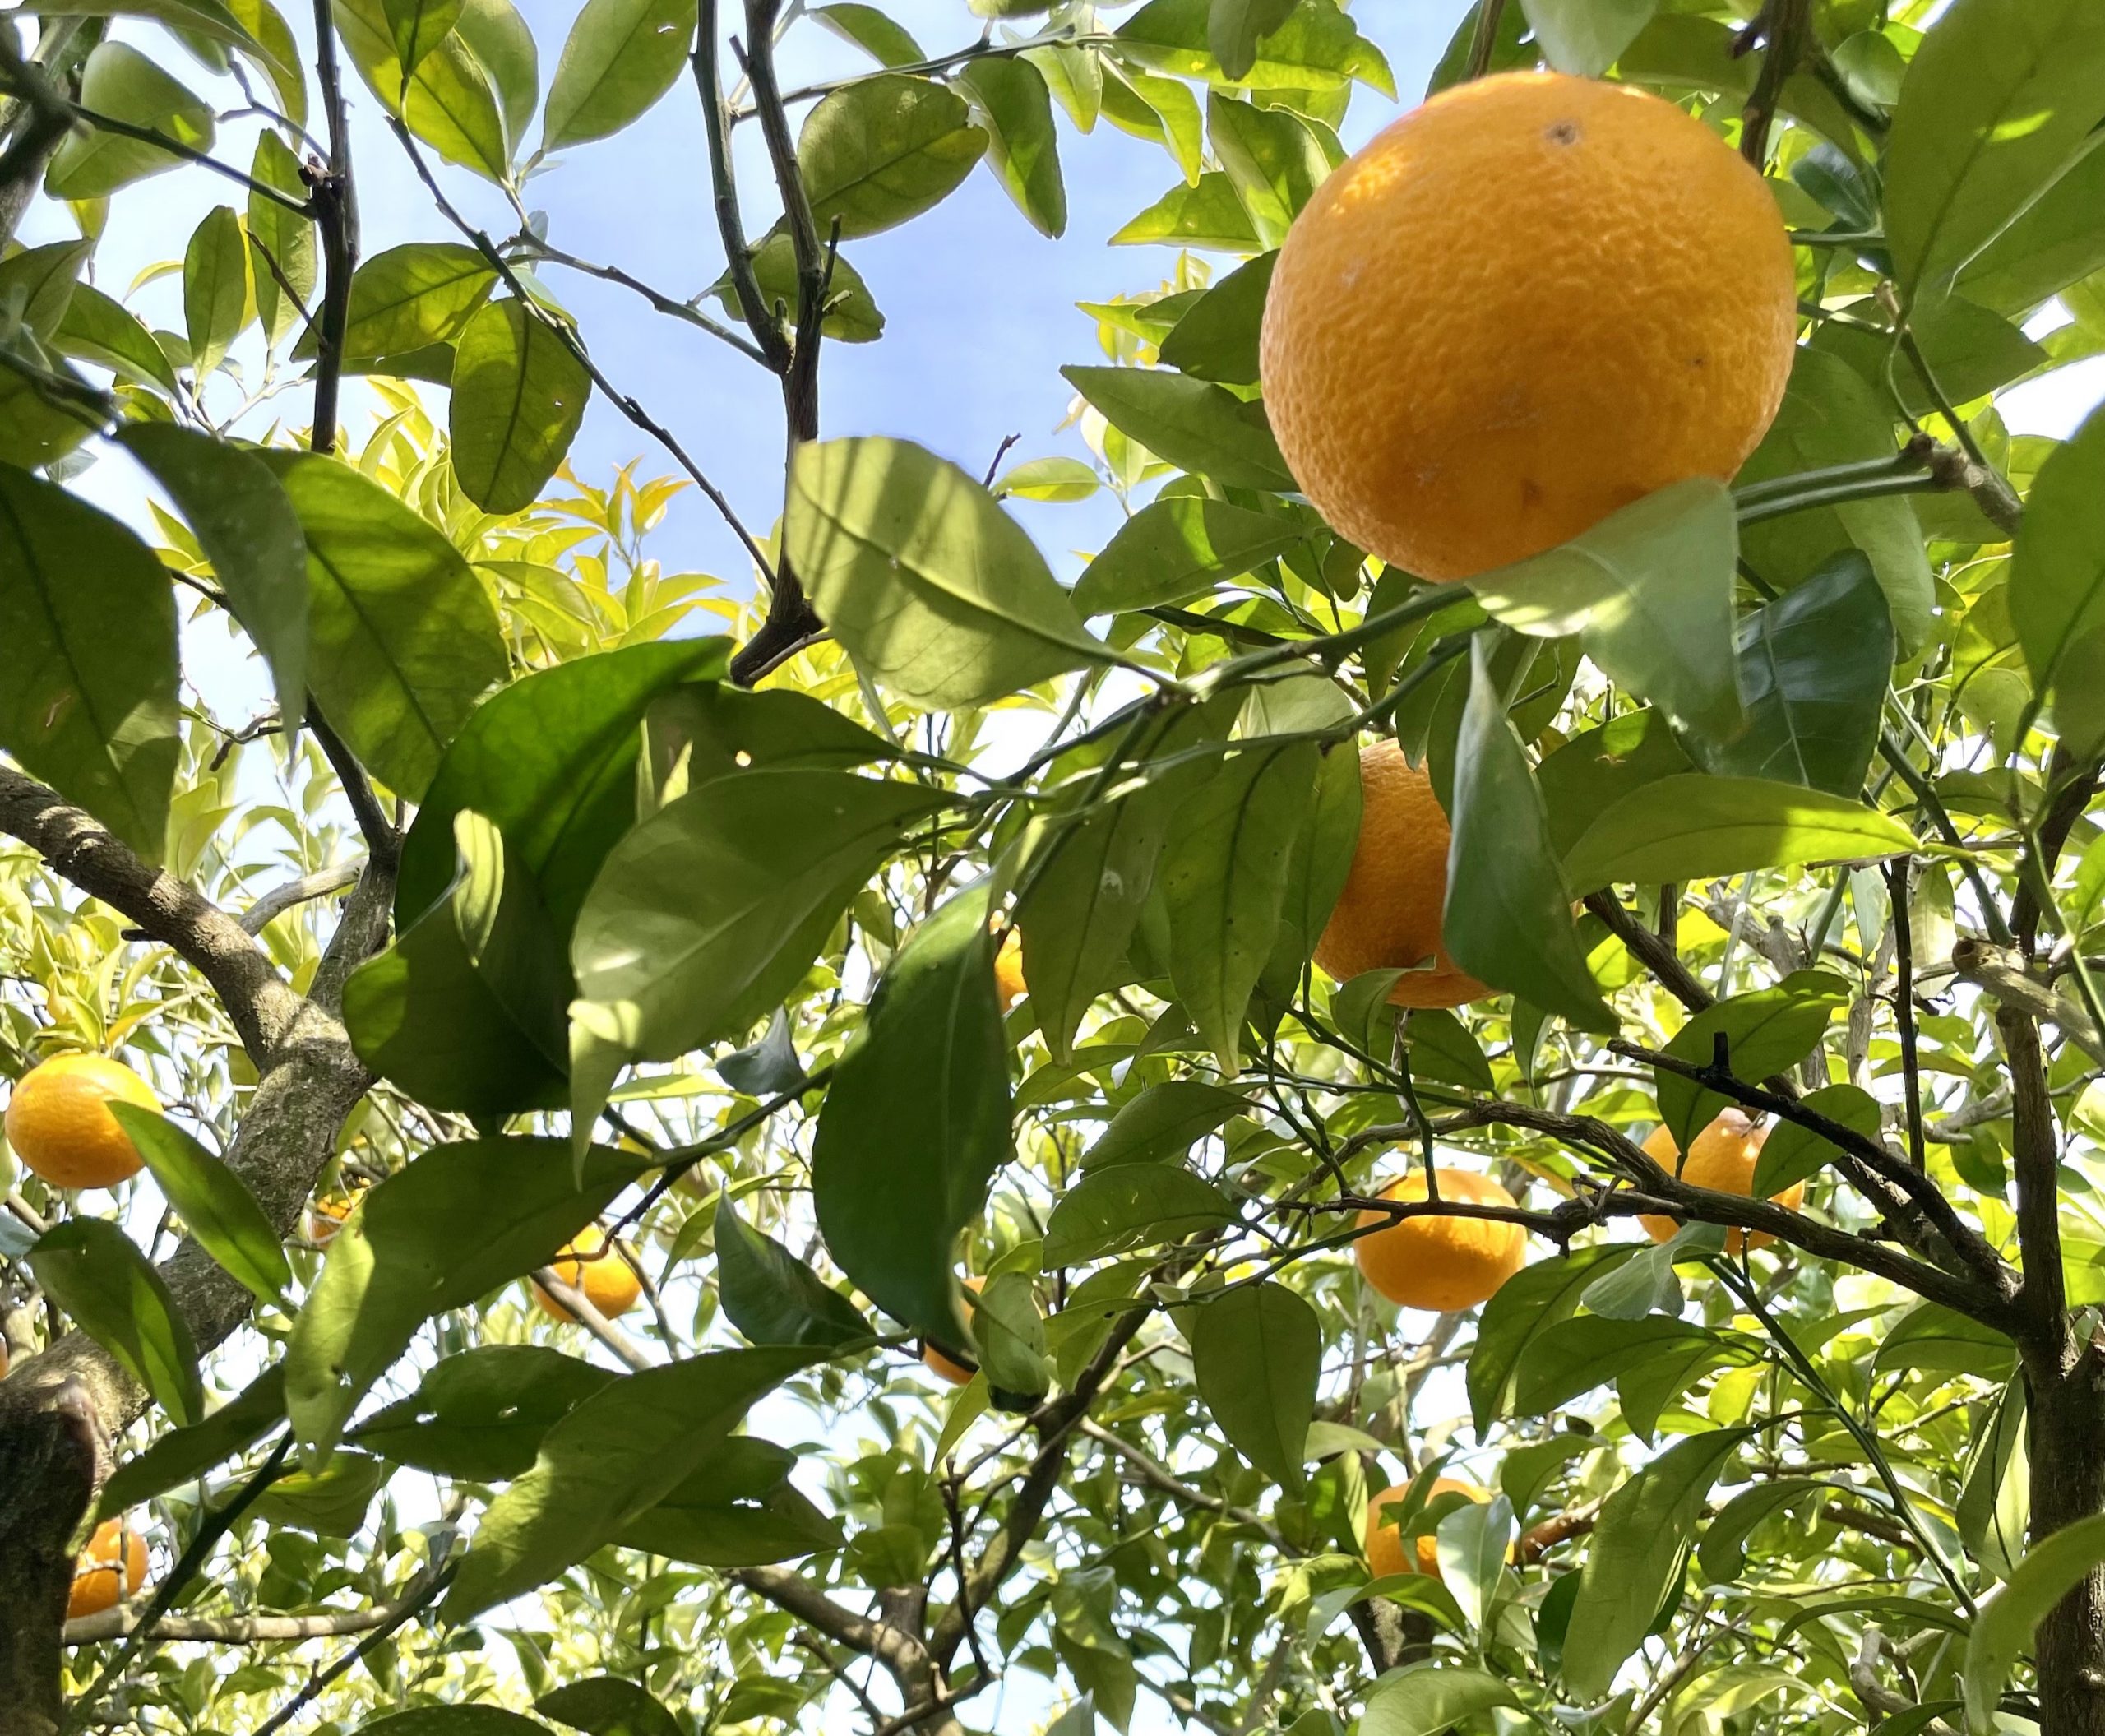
(1008, 971)
(957, 1373)
(1723, 1158)
(325, 1216)
(59, 1123)
(1528, 303)
(97, 1573)
(1388, 916)
(1437, 1262)
(1384, 1543)
(606, 1279)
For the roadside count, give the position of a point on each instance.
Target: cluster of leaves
(649, 923)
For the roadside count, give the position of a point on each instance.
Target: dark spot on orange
(1697, 361)
(1561, 132)
(1531, 494)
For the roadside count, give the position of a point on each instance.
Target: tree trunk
(49, 1469)
(2066, 1408)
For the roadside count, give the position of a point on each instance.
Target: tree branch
(1652, 951)
(2035, 1158)
(239, 1630)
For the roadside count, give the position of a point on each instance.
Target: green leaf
(852, 317)
(1048, 480)
(1223, 880)
(1206, 215)
(1646, 1284)
(519, 395)
(772, 1297)
(452, 104)
(95, 1272)
(1473, 1542)
(552, 760)
(932, 588)
(1695, 827)
(417, 27)
(1191, 423)
(1508, 914)
(607, 1706)
(1598, 767)
(1932, 1338)
(705, 729)
(1158, 108)
(182, 1454)
(285, 237)
(481, 1413)
(1721, 1555)
(422, 292)
(1996, 102)
(45, 278)
(440, 1234)
(1234, 26)
(1172, 550)
(495, 33)
(884, 149)
(1767, 1031)
(1535, 1298)
(1637, 1546)
(119, 81)
(1008, 1335)
(1829, 415)
(215, 287)
(882, 37)
(99, 330)
(1257, 1354)
(1585, 37)
(329, 1502)
(1429, 1698)
(1216, 339)
(1275, 161)
(2057, 241)
(87, 658)
(2057, 570)
(1791, 1152)
(1315, 48)
(1649, 591)
(1164, 1121)
(1814, 666)
(1994, 1509)
(737, 1509)
(1130, 1206)
(248, 531)
(2051, 1569)
(403, 639)
(465, 1010)
(1010, 101)
(453, 1720)
(215, 1204)
(620, 58)
(1572, 1357)
(1322, 859)
(917, 1121)
(608, 1463)
(1680, 50)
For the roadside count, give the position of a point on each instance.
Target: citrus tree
(1457, 1090)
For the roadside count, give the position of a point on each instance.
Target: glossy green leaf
(1597, 768)
(1130, 1206)
(95, 1272)
(932, 588)
(1216, 339)
(1257, 1354)
(1234, 26)
(1271, 156)
(182, 1454)
(1011, 103)
(417, 27)
(1193, 424)
(99, 329)
(883, 150)
(216, 287)
(119, 81)
(607, 1706)
(519, 395)
(1694, 827)
(215, 1204)
(608, 1462)
(772, 1297)
(1429, 1698)
(1585, 37)
(1163, 1122)
(458, 1221)
(248, 531)
(330, 1502)
(1931, 1337)
(1473, 1542)
(1766, 1030)
(2056, 241)
(87, 658)
(2051, 1569)
(1172, 550)
(1508, 914)
(620, 58)
(1570, 1357)
(1791, 1154)
(403, 639)
(1535, 1298)
(481, 1413)
(279, 238)
(735, 1509)
(852, 317)
(419, 294)
(452, 102)
(2057, 571)
(1206, 215)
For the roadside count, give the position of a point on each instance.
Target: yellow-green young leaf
(1216, 339)
(1996, 103)
(1159, 109)
(45, 279)
(1508, 916)
(403, 639)
(620, 58)
(99, 329)
(1129, 1206)
(934, 590)
(496, 34)
(417, 27)
(282, 241)
(1206, 215)
(917, 1121)
(1175, 549)
(122, 83)
(87, 658)
(884, 149)
(1048, 479)
(2004, 1628)
(213, 1203)
(419, 294)
(481, 1413)
(882, 38)
(519, 394)
(456, 1223)
(1010, 100)
(1766, 1031)
(95, 1272)
(452, 102)
(606, 1706)
(216, 297)
(185, 1453)
(1694, 827)
(1583, 37)
(1193, 424)
(1257, 1354)
(278, 56)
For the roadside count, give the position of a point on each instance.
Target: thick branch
(294, 893)
(2001, 973)
(1651, 951)
(2035, 1158)
(239, 1630)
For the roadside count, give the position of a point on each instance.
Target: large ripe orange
(1388, 915)
(1008, 971)
(59, 1123)
(1723, 1158)
(95, 1574)
(955, 1373)
(1437, 1262)
(599, 1270)
(1523, 305)
(1384, 1543)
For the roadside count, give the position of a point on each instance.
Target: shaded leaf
(1256, 1353)
(735, 1509)
(1585, 37)
(1767, 1031)
(213, 1203)
(119, 81)
(481, 1413)
(1216, 339)
(1011, 103)
(216, 293)
(772, 1297)
(1535, 1298)
(1191, 423)
(1164, 1121)
(518, 397)
(1130, 1206)
(95, 1272)
(884, 149)
(182, 1454)
(607, 1706)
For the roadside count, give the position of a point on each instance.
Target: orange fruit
(1437, 1262)
(607, 1281)
(957, 1373)
(95, 1574)
(1388, 916)
(1722, 1158)
(325, 1217)
(59, 1123)
(1008, 971)
(1523, 305)
(1384, 1543)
